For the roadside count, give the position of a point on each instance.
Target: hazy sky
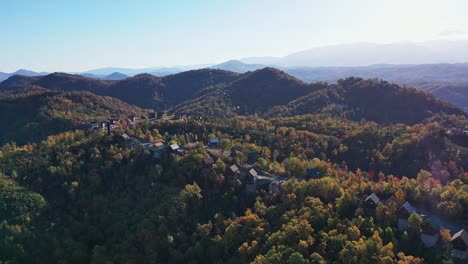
(66, 35)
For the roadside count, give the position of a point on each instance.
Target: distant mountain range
(4, 76)
(362, 54)
(407, 64)
(446, 81)
(266, 92)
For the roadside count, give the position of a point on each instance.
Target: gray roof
(461, 234)
(174, 147)
(234, 168)
(209, 160)
(409, 208)
(373, 197)
(253, 172)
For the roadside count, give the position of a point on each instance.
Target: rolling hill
(115, 76)
(375, 100)
(33, 117)
(270, 92)
(143, 90)
(4, 76)
(223, 93)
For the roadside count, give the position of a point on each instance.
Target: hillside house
(213, 143)
(403, 214)
(174, 147)
(460, 244)
(208, 163)
(430, 232)
(158, 149)
(250, 181)
(370, 204)
(371, 201)
(159, 145)
(152, 116)
(133, 119)
(125, 136)
(94, 125)
(233, 173)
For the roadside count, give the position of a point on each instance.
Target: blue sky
(46, 35)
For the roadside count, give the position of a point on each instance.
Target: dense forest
(261, 168)
(81, 197)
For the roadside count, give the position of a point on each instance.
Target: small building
(233, 173)
(133, 119)
(213, 143)
(208, 162)
(125, 136)
(371, 201)
(430, 232)
(114, 122)
(250, 181)
(158, 149)
(179, 116)
(460, 244)
(233, 169)
(94, 125)
(152, 116)
(174, 147)
(370, 204)
(159, 145)
(403, 214)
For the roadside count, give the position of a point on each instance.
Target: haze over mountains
(437, 66)
(362, 54)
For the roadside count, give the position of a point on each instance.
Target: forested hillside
(244, 168)
(375, 100)
(33, 117)
(278, 94)
(93, 198)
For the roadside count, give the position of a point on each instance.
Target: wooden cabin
(403, 214)
(460, 244)
(430, 232)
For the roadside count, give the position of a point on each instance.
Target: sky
(66, 35)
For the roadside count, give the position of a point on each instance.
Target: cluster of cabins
(111, 124)
(156, 148)
(457, 132)
(430, 227)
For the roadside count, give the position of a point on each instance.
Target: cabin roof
(208, 161)
(174, 147)
(408, 207)
(461, 234)
(253, 172)
(373, 197)
(214, 140)
(234, 168)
